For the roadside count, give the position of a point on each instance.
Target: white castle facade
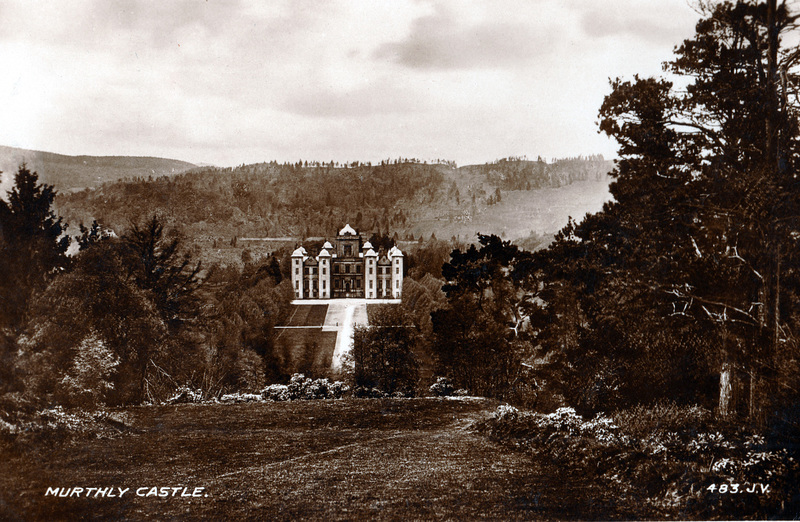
(351, 269)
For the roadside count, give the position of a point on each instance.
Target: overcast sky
(231, 82)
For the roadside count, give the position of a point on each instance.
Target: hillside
(68, 173)
(215, 207)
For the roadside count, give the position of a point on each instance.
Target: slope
(69, 173)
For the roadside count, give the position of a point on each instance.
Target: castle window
(398, 269)
(296, 271)
(324, 270)
(370, 285)
(370, 270)
(323, 284)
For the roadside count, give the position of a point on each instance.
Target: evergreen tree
(32, 245)
(698, 242)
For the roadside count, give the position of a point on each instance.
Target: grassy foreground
(351, 459)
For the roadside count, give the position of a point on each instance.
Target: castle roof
(367, 245)
(395, 252)
(371, 253)
(328, 245)
(324, 253)
(299, 252)
(348, 231)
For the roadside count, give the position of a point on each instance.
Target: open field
(355, 459)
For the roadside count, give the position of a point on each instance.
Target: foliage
(421, 298)
(92, 324)
(58, 425)
(238, 335)
(666, 468)
(476, 342)
(442, 387)
(158, 267)
(687, 276)
(383, 352)
(32, 245)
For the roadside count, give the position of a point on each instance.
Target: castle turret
(297, 271)
(370, 274)
(396, 258)
(324, 260)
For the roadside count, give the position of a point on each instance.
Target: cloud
(438, 41)
(655, 22)
(363, 101)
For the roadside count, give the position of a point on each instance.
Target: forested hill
(67, 173)
(301, 200)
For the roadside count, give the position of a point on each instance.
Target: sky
(240, 81)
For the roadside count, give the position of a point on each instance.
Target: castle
(351, 269)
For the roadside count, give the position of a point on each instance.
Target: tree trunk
(725, 388)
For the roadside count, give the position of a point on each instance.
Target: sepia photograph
(399, 260)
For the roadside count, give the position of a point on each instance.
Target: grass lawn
(307, 315)
(350, 459)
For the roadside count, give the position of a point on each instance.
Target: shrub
(665, 455)
(643, 421)
(276, 392)
(185, 395)
(363, 392)
(302, 387)
(442, 387)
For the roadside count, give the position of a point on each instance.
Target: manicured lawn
(307, 315)
(354, 459)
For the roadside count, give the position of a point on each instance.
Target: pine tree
(32, 245)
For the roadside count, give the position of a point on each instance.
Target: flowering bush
(59, 425)
(667, 462)
(302, 387)
(276, 392)
(241, 397)
(442, 387)
(184, 395)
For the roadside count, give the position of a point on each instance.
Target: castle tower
(370, 273)
(396, 257)
(297, 272)
(324, 259)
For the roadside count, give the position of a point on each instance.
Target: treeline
(127, 319)
(265, 199)
(311, 199)
(521, 174)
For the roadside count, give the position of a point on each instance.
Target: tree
(706, 200)
(93, 325)
(90, 236)
(158, 266)
(384, 352)
(475, 336)
(32, 245)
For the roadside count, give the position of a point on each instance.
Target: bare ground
(351, 459)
